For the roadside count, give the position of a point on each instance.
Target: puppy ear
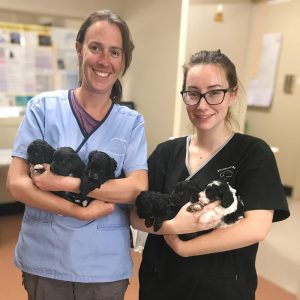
(91, 154)
(113, 164)
(49, 152)
(76, 159)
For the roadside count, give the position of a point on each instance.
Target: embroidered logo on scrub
(226, 173)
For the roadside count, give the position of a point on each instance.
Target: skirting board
(11, 208)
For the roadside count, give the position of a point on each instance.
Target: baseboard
(11, 208)
(288, 190)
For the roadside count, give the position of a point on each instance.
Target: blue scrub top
(65, 248)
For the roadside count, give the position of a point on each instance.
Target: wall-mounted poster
(34, 59)
(26, 62)
(261, 88)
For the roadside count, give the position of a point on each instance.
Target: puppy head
(100, 165)
(66, 162)
(220, 190)
(39, 152)
(187, 191)
(151, 204)
(144, 205)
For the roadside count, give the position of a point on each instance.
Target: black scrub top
(249, 166)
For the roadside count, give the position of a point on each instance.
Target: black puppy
(100, 168)
(39, 152)
(66, 162)
(157, 207)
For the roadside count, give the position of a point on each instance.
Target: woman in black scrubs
(218, 265)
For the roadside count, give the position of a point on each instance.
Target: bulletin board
(34, 59)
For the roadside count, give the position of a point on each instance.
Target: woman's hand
(96, 209)
(187, 222)
(48, 181)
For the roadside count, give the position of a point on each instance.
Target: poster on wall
(26, 62)
(34, 59)
(261, 88)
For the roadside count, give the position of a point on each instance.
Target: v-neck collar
(86, 135)
(188, 141)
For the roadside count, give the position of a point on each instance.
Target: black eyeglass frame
(203, 95)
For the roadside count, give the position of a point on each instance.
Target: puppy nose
(93, 176)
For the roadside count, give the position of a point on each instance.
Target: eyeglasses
(213, 97)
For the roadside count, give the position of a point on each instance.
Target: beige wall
(279, 125)
(67, 8)
(230, 36)
(8, 128)
(152, 76)
(152, 79)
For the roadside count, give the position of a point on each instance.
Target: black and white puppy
(39, 152)
(231, 207)
(100, 168)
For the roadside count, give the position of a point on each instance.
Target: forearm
(24, 191)
(250, 230)
(124, 190)
(20, 186)
(183, 222)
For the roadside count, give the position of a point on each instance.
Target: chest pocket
(116, 148)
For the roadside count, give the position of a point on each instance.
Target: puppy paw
(38, 169)
(194, 207)
(84, 203)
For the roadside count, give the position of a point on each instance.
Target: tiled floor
(10, 279)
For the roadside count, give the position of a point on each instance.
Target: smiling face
(203, 78)
(100, 57)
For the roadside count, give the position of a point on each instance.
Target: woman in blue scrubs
(66, 251)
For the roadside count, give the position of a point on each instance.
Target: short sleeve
(136, 154)
(259, 183)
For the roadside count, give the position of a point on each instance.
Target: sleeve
(259, 184)
(136, 154)
(31, 128)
